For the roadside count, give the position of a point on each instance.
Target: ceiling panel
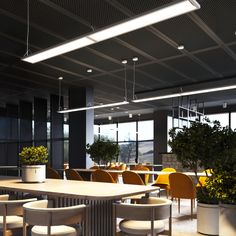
(167, 76)
(219, 15)
(190, 68)
(149, 43)
(219, 61)
(94, 60)
(185, 32)
(96, 12)
(117, 51)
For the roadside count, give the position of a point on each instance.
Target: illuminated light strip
(160, 14)
(94, 107)
(185, 94)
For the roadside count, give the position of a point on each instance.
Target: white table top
(140, 172)
(76, 189)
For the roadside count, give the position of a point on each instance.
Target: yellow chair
(162, 180)
(130, 177)
(102, 176)
(182, 186)
(52, 173)
(114, 175)
(145, 177)
(72, 174)
(11, 212)
(202, 179)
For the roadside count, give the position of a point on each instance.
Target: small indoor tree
(197, 147)
(103, 150)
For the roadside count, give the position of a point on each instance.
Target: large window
(223, 118)
(127, 131)
(108, 131)
(233, 120)
(134, 138)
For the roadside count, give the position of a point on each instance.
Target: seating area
(118, 117)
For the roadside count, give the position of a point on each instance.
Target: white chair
(11, 212)
(52, 221)
(145, 218)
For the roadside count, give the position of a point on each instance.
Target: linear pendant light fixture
(210, 90)
(165, 12)
(93, 107)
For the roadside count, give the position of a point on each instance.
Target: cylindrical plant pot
(33, 173)
(227, 222)
(208, 219)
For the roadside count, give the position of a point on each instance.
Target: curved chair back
(149, 209)
(182, 186)
(114, 175)
(13, 209)
(145, 177)
(95, 167)
(72, 174)
(37, 213)
(102, 176)
(164, 178)
(52, 173)
(130, 177)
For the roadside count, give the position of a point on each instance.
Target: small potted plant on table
(33, 160)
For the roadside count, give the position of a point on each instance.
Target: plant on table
(103, 150)
(34, 155)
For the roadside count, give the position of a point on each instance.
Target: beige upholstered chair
(52, 221)
(11, 212)
(72, 174)
(145, 218)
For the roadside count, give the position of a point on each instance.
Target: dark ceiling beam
(165, 38)
(198, 21)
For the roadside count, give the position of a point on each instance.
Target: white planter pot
(208, 219)
(33, 173)
(227, 221)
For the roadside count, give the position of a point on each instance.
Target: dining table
(98, 197)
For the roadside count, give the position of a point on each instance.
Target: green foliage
(195, 146)
(34, 155)
(210, 147)
(103, 150)
(222, 184)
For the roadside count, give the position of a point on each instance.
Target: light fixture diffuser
(94, 107)
(210, 90)
(165, 12)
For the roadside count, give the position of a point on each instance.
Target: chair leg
(179, 205)
(192, 203)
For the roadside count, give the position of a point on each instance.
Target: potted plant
(33, 160)
(223, 184)
(195, 148)
(103, 150)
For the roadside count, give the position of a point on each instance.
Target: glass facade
(134, 138)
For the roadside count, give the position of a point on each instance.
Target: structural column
(160, 134)
(40, 122)
(57, 136)
(80, 127)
